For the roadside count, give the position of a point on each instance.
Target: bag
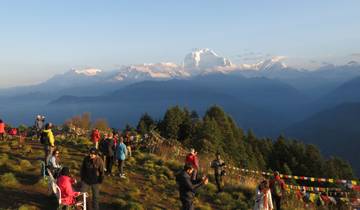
(44, 139)
(277, 188)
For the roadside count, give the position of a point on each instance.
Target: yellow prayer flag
(331, 180)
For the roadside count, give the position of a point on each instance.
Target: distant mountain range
(269, 97)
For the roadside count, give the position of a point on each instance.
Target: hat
(188, 166)
(93, 150)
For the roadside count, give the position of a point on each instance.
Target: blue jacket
(121, 151)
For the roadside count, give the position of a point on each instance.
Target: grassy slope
(150, 183)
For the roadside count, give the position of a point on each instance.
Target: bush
(134, 206)
(119, 203)
(8, 180)
(42, 183)
(5, 147)
(25, 164)
(28, 207)
(27, 148)
(3, 159)
(152, 179)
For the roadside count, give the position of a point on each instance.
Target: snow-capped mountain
(204, 59)
(157, 71)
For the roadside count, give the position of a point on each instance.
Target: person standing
(192, 159)
(277, 186)
(187, 186)
(263, 200)
(121, 154)
(2, 130)
(54, 163)
(39, 125)
(109, 151)
(95, 137)
(219, 172)
(48, 140)
(92, 175)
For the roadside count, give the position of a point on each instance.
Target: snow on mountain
(157, 71)
(87, 72)
(204, 59)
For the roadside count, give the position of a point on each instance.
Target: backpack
(277, 188)
(44, 139)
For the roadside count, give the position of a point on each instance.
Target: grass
(8, 180)
(150, 184)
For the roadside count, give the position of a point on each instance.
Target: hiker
(48, 140)
(2, 130)
(65, 182)
(39, 125)
(128, 142)
(109, 152)
(277, 186)
(187, 186)
(263, 200)
(95, 137)
(54, 163)
(219, 172)
(92, 175)
(192, 159)
(121, 154)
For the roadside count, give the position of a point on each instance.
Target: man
(48, 140)
(277, 186)
(39, 125)
(187, 187)
(192, 159)
(219, 172)
(92, 174)
(109, 151)
(121, 154)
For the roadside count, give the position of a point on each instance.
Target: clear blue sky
(40, 38)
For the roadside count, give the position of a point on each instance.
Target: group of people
(110, 147)
(270, 193)
(268, 196)
(3, 130)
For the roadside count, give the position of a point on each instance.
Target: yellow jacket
(50, 136)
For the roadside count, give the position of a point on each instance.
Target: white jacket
(259, 200)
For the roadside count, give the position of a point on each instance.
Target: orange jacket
(2, 127)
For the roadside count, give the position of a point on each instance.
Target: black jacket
(187, 187)
(107, 147)
(92, 171)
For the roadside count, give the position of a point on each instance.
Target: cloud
(355, 55)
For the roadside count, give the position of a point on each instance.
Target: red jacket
(193, 160)
(67, 193)
(2, 127)
(13, 132)
(95, 136)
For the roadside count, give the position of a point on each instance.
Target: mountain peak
(204, 59)
(90, 72)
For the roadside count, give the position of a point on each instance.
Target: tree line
(216, 131)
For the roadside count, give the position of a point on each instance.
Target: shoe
(123, 176)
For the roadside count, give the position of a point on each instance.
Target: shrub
(42, 183)
(28, 207)
(3, 159)
(134, 206)
(25, 164)
(8, 180)
(119, 203)
(27, 148)
(5, 147)
(204, 207)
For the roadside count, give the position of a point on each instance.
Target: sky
(41, 38)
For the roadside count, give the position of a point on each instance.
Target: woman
(65, 181)
(54, 163)
(263, 200)
(2, 130)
